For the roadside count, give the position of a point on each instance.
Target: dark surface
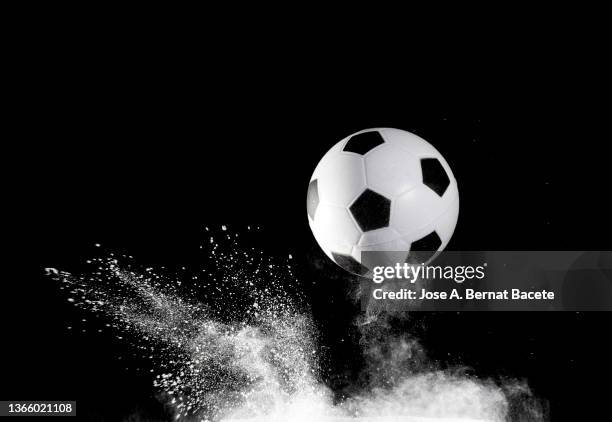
(434, 175)
(424, 248)
(140, 160)
(362, 143)
(349, 263)
(312, 198)
(371, 210)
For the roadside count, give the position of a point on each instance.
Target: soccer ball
(382, 189)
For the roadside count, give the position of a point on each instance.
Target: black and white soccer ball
(382, 189)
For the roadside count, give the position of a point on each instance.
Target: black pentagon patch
(424, 249)
(364, 142)
(349, 263)
(434, 175)
(371, 210)
(312, 198)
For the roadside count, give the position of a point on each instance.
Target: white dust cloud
(233, 341)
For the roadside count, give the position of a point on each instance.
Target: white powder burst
(231, 344)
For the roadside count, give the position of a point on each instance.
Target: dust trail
(234, 341)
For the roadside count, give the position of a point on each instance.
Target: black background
(138, 151)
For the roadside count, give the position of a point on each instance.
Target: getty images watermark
(490, 281)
